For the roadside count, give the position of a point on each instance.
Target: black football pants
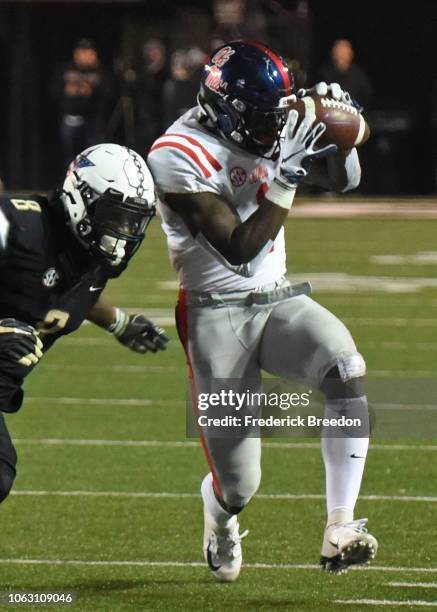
(8, 460)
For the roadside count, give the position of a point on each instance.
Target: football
(345, 125)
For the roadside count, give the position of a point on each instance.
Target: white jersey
(190, 159)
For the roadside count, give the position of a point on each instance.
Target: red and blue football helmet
(246, 90)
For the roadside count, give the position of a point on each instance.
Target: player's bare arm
(103, 313)
(239, 242)
(134, 331)
(210, 215)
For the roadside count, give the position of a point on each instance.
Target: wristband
(121, 319)
(281, 194)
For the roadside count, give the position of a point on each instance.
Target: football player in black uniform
(56, 255)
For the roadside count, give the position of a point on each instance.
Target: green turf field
(106, 501)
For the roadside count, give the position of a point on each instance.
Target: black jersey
(47, 279)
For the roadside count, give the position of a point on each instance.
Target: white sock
(211, 505)
(344, 463)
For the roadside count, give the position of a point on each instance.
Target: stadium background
(106, 501)
(395, 44)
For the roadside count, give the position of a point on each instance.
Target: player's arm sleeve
(338, 172)
(11, 394)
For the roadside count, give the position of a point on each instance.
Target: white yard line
(347, 209)
(419, 258)
(340, 282)
(164, 316)
(101, 341)
(123, 494)
(403, 373)
(167, 495)
(139, 443)
(146, 368)
(343, 283)
(387, 602)
(182, 564)
(413, 585)
(389, 344)
(112, 401)
(102, 401)
(391, 321)
(196, 444)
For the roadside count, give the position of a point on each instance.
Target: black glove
(141, 335)
(20, 348)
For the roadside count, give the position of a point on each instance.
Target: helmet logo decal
(214, 79)
(83, 162)
(222, 56)
(238, 176)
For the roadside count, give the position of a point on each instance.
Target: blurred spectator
(235, 19)
(189, 26)
(151, 76)
(344, 71)
(83, 91)
(290, 33)
(181, 89)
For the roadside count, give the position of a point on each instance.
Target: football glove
(298, 150)
(332, 90)
(141, 335)
(20, 348)
(297, 154)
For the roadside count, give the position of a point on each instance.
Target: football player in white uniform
(227, 172)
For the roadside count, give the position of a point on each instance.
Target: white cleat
(222, 549)
(346, 544)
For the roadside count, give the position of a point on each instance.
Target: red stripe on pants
(182, 327)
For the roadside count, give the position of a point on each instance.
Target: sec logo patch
(238, 176)
(50, 278)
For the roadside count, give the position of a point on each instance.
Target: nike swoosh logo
(354, 456)
(286, 159)
(334, 545)
(212, 567)
(92, 288)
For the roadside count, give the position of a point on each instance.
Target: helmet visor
(126, 220)
(265, 128)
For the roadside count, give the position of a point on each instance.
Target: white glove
(297, 153)
(333, 90)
